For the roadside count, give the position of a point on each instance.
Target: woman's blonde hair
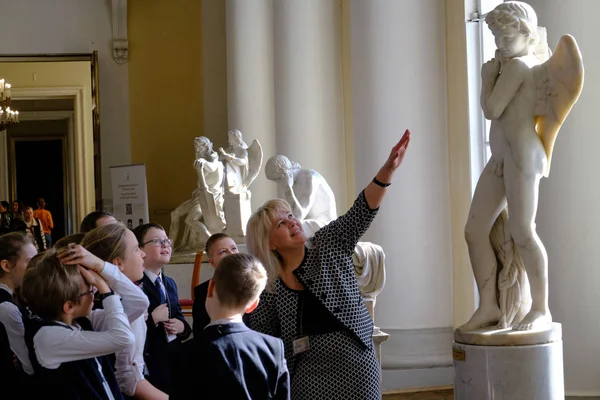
(106, 242)
(258, 233)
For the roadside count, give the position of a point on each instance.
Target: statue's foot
(502, 324)
(484, 316)
(535, 318)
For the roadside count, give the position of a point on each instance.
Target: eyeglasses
(91, 291)
(159, 242)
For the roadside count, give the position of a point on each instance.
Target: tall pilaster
(308, 88)
(250, 99)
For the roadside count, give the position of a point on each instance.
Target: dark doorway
(40, 173)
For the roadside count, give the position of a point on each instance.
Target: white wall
(76, 26)
(398, 82)
(569, 216)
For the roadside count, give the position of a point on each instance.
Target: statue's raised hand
(225, 155)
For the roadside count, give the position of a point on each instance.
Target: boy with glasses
(166, 324)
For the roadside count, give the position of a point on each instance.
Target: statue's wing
(558, 84)
(255, 159)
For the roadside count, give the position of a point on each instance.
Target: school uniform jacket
(157, 350)
(231, 361)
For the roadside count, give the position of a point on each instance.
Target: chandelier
(8, 117)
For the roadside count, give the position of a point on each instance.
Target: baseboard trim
(582, 393)
(413, 359)
(419, 390)
(417, 348)
(411, 379)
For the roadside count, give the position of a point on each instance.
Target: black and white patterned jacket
(328, 273)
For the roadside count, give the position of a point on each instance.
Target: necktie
(162, 295)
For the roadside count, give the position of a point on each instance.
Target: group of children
(96, 318)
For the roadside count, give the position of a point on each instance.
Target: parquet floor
(445, 393)
(442, 394)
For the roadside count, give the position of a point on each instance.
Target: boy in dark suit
(167, 326)
(218, 246)
(238, 363)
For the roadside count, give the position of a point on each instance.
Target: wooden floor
(442, 393)
(445, 393)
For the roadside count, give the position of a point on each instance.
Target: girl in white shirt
(116, 244)
(16, 250)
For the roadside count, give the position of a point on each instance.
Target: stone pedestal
(378, 335)
(502, 364)
(378, 338)
(237, 209)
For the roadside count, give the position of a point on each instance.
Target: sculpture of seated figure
(203, 213)
(306, 190)
(313, 202)
(527, 95)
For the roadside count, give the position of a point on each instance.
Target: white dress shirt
(152, 276)
(11, 318)
(129, 365)
(234, 319)
(112, 332)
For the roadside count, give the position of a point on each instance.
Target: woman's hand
(374, 192)
(77, 254)
(398, 152)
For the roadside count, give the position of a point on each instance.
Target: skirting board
(582, 393)
(416, 358)
(420, 358)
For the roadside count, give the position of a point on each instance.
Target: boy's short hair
(65, 241)
(239, 280)
(48, 285)
(215, 237)
(89, 222)
(141, 230)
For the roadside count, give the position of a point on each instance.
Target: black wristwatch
(102, 296)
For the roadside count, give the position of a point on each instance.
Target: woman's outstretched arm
(375, 190)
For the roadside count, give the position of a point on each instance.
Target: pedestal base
(188, 257)
(378, 338)
(510, 372)
(237, 213)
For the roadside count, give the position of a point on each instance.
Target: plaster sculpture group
(221, 203)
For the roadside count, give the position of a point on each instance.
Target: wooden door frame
(95, 85)
(69, 159)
